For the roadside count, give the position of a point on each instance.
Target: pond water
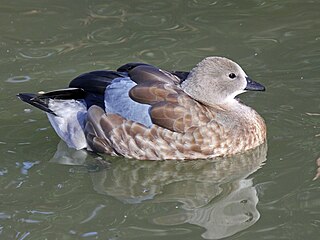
(51, 192)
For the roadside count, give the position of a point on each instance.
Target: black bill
(254, 86)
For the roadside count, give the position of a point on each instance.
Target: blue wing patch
(117, 100)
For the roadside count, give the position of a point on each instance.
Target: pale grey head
(218, 80)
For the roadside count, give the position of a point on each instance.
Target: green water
(265, 194)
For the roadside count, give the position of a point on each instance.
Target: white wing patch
(117, 100)
(69, 122)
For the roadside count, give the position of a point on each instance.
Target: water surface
(264, 194)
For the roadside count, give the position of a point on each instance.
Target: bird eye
(232, 75)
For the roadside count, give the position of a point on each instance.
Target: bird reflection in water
(217, 195)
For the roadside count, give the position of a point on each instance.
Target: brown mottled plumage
(182, 127)
(193, 115)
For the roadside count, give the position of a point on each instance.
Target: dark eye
(232, 75)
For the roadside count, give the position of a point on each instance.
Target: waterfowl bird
(143, 112)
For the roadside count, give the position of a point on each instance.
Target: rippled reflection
(318, 170)
(216, 195)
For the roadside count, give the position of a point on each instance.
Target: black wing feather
(96, 81)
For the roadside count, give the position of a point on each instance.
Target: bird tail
(41, 99)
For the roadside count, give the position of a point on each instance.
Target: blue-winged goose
(143, 112)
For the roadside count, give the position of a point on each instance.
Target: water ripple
(93, 214)
(18, 79)
(37, 53)
(103, 36)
